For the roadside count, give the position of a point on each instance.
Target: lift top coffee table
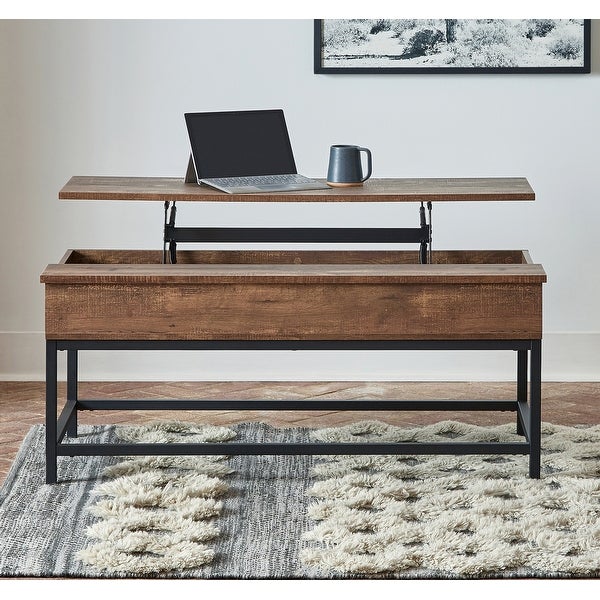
(173, 299)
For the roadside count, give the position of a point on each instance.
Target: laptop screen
(240, 143)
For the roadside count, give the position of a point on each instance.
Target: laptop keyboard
(256, 180)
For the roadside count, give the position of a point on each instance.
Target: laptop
(244, 152)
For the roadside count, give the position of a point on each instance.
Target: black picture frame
(321, 68)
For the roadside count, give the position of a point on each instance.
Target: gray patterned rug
(253, 517)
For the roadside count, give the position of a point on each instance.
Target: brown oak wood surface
(291, 274)
(299, 257)
(120, 295)
(275, 311)
(374, 190)
(292, 267)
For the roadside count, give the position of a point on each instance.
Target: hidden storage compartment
(298, 257)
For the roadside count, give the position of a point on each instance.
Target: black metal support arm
(168, 239)
(303, 235)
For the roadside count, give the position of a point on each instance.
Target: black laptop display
(244, 152)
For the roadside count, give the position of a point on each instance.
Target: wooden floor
(22, 404)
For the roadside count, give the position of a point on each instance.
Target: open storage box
(293, 295)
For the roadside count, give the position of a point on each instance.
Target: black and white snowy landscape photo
(448, 44)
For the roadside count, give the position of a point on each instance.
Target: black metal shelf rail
(421, 235)
(527, 404)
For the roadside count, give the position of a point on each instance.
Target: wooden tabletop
(374, 190)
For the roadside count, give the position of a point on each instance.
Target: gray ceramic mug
(345, 166)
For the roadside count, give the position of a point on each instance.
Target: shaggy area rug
(156, 514)
(469, 516)
(306, 517)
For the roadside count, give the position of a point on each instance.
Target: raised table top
(374, 190)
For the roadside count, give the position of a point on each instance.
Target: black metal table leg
(535, 400)
(51, 401)
(72, 375)
(529, 413)
(521, 387)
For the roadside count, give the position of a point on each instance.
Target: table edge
(156, 189)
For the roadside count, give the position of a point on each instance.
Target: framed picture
(452, 46)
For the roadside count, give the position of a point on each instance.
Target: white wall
(108, 97)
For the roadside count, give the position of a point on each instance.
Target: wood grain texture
(292, 274)
(296, 257)
(262, 295)
(374, 190)
(258, 311)
(294, 268)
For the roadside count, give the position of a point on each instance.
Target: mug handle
(369, 163)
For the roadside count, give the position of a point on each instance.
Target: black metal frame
(527, 404)
(421, 235)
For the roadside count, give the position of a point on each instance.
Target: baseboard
(566, 357)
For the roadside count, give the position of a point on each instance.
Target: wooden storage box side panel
(111, 257)
(257, 311)
(241, 257)
(227, 257)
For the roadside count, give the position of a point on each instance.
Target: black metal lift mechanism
(527, 404)
(421, 235)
